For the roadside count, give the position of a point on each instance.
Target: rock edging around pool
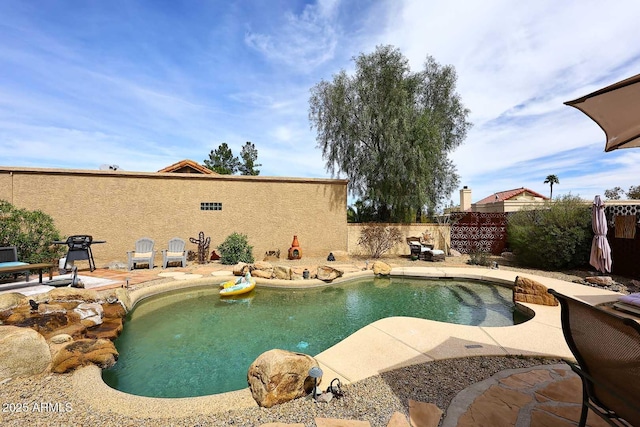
(57, 331)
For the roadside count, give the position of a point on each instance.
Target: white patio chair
(176, 252)
(143, 253)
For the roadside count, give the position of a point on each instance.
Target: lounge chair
(417, 246)
(143, 253)
(607, 349)
(176, 252)
(424, 251)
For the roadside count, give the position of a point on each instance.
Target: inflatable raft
(241, 286)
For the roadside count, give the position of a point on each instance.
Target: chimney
(465, 198)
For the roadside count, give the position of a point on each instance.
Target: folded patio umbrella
(600, 251)
(616, 109)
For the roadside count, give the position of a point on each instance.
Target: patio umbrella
(616, 109)
(600, 251)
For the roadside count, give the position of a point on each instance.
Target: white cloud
(144, 96)
(302, 41)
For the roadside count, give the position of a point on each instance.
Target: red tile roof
(188, 166)
(506, 195)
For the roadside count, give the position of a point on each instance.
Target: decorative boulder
(600, 280)
(262, 269)
(264, 274)
(61, 338)
(532, 292)
(454, 253)
(12, 299)
(84, 352)
(109, 329)
(278, 376)
(69, 294)
(75, 330)
(240, 269)
(114, 311)
(51, 308)
(282, 272)
(381, 268)
(328, 274)
(23, 351)
(262, 265)
(90, 313)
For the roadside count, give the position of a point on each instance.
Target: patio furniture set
(79, 248)
(144, 253)
(423, 250)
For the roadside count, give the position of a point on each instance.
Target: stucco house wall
(121, 207)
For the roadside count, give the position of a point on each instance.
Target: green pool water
(193, 343)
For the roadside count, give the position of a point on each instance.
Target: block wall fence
(121, 207)
(439, 233)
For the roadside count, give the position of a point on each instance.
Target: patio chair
(418, 247)
(9, 258)
(9, 254)
(176, 252)
(607, 349)
(143, 253)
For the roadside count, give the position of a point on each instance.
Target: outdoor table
(27, 268)
(79, 249)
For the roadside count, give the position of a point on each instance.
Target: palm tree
(551, 179)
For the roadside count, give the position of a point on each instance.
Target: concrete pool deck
(381, 346)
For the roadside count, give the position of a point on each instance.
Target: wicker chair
(607, 349)
(143, 253)
(176, 252)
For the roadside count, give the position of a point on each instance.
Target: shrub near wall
(31, 232)
(378, 239)
(235, 249)
(558, 236)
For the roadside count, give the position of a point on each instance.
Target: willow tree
(390, 131)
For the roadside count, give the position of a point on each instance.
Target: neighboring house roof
(187, 166)
(509, 194)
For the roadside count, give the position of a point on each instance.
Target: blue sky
(144, 84)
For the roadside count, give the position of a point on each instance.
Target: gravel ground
(32, 401)
(48, 400)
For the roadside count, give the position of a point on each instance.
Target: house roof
(187, 166)
(509, 194)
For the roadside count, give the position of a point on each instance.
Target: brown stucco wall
(120, 207)
(5, 186)
(439, 233)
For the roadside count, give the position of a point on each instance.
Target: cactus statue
(203, 246)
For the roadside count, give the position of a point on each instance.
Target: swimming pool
(192, 343)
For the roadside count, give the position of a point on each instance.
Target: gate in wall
(479, 232)
(624, 238)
